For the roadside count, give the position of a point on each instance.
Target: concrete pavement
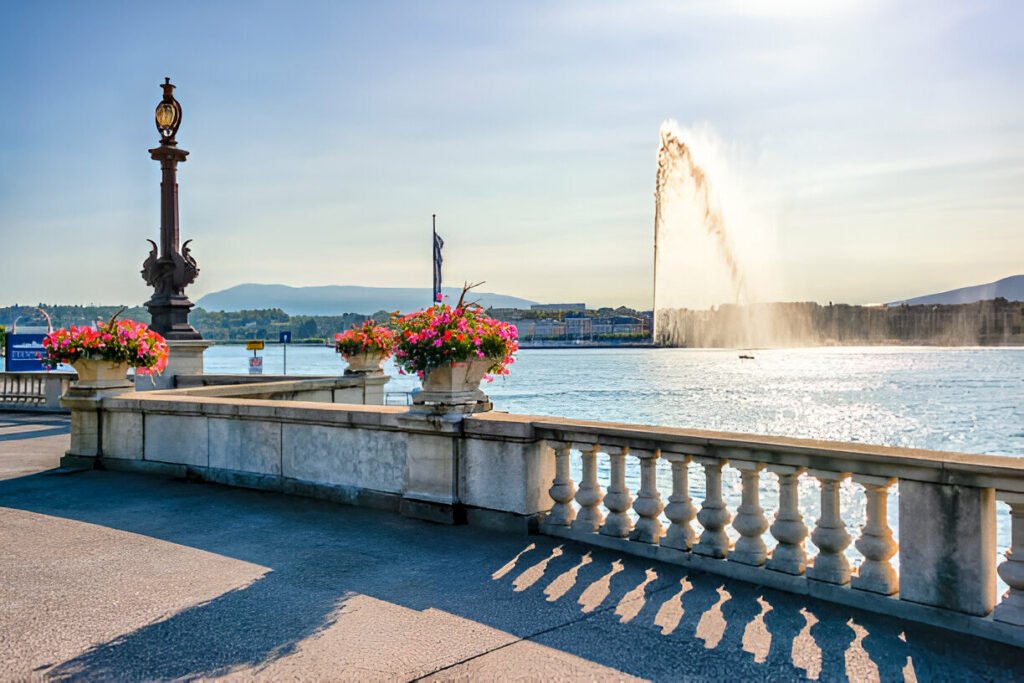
(110, 575)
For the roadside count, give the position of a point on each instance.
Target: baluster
(831, 565)
(1011, 609)
(789, 529)
(680, 509)
(589, 495)
(618, 498)
(562, 489)
(876, 543)
(713, 515)
(648, 503)
(750, 520)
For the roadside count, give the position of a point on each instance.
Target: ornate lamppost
(169, 269)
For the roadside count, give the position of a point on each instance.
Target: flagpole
(433, 257)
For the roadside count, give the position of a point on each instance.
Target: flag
(438, 244)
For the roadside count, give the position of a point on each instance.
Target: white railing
(945, 502)
(33, 390)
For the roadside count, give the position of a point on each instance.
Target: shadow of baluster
(712, 624)
(597, 592)
(511, 564)
(532, 575)
(859, 665)
(757, 639)
(565, 581)
(671, 611)
(633, 602)
(806, 653)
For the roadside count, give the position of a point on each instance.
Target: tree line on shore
(226, 326)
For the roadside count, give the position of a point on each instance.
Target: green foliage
(224, 326)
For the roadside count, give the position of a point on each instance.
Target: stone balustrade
(36, 391)
(636, 489)
(946, 569)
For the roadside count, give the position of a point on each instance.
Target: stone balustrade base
(985, 627)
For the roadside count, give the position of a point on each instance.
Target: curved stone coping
(206, 380)
(1005, 473)
(181, 402)
(270, 389)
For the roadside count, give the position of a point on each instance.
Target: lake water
(958, 399)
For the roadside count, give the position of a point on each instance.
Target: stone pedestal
(431, 488)
(185, 358)
(951, 561)
(84, 402)
(370, 392)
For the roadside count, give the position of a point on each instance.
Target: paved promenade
(109, 575)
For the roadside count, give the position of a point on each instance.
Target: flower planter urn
(363, 362)
(456, 384)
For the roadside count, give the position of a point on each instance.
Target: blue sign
(286, 337)
(24, 353)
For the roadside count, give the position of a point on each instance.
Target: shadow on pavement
(646, 619)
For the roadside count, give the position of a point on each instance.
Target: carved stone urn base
(96, 373)
(456, 387)
(363, 362)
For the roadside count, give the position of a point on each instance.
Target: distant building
(505, 313)
(531, 330)
(620, 324)
(579, 327)
(559, 307)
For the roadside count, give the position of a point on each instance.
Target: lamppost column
(170, 266)
(169, 231)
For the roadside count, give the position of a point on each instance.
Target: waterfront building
(559, 307)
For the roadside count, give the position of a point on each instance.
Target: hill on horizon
(340, 299)
(1009, 288)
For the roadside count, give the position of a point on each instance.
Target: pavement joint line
(550, 629)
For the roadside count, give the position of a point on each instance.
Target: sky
(865, 151)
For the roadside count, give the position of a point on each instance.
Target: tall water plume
(712, 275)
(695, 262)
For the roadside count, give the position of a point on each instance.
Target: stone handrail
(36, 391)
(354, 389)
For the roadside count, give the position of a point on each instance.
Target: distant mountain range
(339, 299)
(1009, 288)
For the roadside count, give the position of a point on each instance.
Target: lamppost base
(170, 318)
(185, 358)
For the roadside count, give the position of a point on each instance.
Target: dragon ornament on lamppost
(169, 269)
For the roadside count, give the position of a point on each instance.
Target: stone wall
(512, 472)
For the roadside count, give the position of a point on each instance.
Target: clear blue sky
(879, 145)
